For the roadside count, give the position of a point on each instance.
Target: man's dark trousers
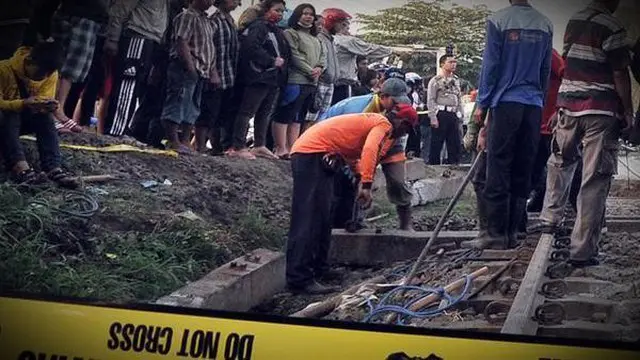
(514, 133)
(448, 131)
(310, 228)
(14, 124)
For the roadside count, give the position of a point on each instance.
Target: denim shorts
(183, 95)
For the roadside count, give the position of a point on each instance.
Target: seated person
(27, 90)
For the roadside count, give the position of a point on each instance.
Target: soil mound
(164, 221)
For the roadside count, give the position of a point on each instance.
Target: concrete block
(366, 248)
(429, 190)
(236, 286)
(416, 169)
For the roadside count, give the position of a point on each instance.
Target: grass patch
(43, 251)
(255, 231)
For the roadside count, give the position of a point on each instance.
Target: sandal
(29, 177)
(63, 179)
(72, 126)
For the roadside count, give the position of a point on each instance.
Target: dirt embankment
(142, 242)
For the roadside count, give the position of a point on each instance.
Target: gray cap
(397, 89)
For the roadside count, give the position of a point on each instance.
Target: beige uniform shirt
(444, 94)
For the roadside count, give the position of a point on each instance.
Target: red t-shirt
(557, 69)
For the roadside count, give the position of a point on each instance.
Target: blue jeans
(183, 94)
(425, 138)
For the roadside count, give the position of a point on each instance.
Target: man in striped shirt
(218, 106)
(594, 104)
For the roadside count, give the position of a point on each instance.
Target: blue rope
(404, 312)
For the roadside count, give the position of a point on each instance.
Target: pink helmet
(332, 16)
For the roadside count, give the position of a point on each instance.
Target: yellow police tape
(45, 330)
(111, 148)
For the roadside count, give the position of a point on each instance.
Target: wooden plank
(527, 299)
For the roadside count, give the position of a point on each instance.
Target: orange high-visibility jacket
(361, 139)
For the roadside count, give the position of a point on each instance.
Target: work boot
(314, 288)
(497, 231)
(404, 215)
(517, 221)
(482, 214)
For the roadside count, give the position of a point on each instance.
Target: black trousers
(514, 133)
(538, 173)
(340, 92)
(344, 198)
(413, 142)
(219, 111)
(89, 89)
(310, 228)
(130, 73)
(14, 124)
(448, 131)
(258, 101)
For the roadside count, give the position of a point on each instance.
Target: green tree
(432, 23)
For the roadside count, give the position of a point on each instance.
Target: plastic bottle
(93, 124)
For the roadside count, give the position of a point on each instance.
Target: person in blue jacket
(394, 91)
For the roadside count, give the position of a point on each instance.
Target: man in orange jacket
(359, 140)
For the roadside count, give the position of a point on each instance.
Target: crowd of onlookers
(185, 75)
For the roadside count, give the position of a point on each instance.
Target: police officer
(444, 101)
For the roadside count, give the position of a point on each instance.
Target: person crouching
(27, 89)
(350, 139)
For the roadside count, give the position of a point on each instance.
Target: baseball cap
(397, 89)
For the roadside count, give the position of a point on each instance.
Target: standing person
(348, 48)
(308, 60)
(218, 110)
(414, 82)
(538, 180)
(334, 21)
(264, 57)
(393, 92)
(134, 31)
(27, 104)
(316, 158)
(513, 82)
(594, 106)
(75, 26)
(146, 125)
(192, 63)
(444, 101)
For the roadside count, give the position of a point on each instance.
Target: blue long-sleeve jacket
(517, 57)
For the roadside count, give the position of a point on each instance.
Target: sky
(558, 11)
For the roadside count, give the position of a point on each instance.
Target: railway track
(532, 291)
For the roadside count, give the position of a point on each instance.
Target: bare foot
(243, 154)
(263, 152)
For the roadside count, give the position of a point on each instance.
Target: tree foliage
(432, 23)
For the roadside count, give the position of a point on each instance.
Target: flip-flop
(72, 126)
(285, 157)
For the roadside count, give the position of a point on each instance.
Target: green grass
(42, 251)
